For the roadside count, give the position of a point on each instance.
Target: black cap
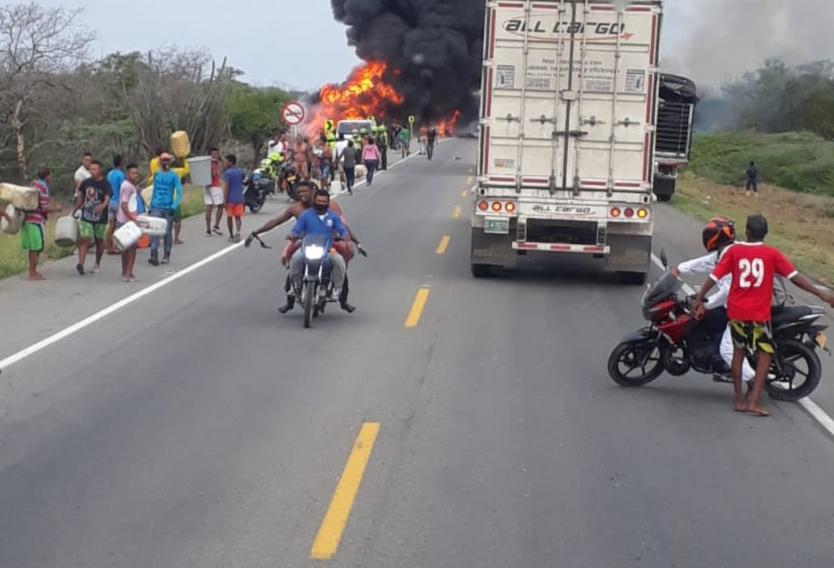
(757, 227)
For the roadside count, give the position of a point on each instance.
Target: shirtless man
(305, 202)
(302, 156)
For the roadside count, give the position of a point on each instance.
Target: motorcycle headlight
(314, 252)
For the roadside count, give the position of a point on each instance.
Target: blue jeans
(168, 215)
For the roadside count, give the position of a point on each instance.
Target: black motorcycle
(288, 180)
(256, 190)
(676, 342)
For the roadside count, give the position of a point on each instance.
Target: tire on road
(481, 270)
(309, 301)
(789, 354)
(628, 353)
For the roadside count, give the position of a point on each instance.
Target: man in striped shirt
(32, 233)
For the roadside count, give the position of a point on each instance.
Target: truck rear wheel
(481, 270)
(664, 198)
(633, 278)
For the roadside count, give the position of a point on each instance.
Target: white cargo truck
(567, 133)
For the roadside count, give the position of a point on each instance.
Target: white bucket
(200, 170)
(12, 226)
(66, 231)
(26, 198)
(127, 236)
(152, 226)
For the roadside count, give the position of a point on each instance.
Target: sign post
(411, 120)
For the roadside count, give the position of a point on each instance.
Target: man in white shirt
(83, 171)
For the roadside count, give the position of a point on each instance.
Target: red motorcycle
(676, 341)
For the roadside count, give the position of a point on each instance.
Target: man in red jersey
(753, 266)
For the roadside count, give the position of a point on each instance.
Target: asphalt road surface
(450, 422)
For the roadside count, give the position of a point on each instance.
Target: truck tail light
(629, 213)
(483, 206)
(496, 206)
(510, 207)
(642, 213)
(615, 212)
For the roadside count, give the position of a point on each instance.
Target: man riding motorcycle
(320, 220)
(305, 203)
(718, 235)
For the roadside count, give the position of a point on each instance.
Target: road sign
(329, 126)
(412, 119)
(293, 113)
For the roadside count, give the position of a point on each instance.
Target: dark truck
(675, 115)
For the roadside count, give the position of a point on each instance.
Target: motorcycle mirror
(663, 260)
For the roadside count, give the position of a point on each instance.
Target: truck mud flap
(492, 250)
(629, 253)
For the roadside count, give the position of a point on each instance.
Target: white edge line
(811, 407)
(88, 321)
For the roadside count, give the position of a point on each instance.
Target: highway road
(449, 422)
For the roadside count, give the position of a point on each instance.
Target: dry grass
(801, 225)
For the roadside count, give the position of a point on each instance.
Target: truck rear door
(569, 96)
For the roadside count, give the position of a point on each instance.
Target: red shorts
(234, 209)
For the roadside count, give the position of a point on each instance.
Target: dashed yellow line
(456, 213)
(444, 245)
(413, 319)
(333, 525)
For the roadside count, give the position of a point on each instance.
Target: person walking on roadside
(115, 178)
(128, 210)
(167, 195)
(348, 160)
(422, 138)
(405, 141)
(233, 197)
(83, 172)
(382, 142)
(431, 141)
(93, 201)
(32, 232)
(752, 179)
(371, 157)
(213, 195)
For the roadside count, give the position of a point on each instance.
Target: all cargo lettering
(517, 25)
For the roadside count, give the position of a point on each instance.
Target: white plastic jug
(26, 198)
(66, 231)
(200, 170)
(127, 236)
(15, 221)
(152, 226)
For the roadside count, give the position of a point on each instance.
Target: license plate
(821, 340)
(497, 226)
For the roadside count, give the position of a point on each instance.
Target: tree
(36, 45)
(255, 114)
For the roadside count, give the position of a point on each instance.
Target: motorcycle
(288, 180)
(256, 189)
(675, 341)
(317, 287)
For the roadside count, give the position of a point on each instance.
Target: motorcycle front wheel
(257, 204)
(794, 373)
(635, 364)
(309, 302)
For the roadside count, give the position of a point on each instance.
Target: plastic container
(180, 144)
(200, 170)
(127, 236)
(25, 198)
(12, 226)
(147, 195)
(152, 226)
(66, 231)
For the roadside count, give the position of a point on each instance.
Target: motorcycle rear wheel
(793, 361)
(644, 358)
(309, 302)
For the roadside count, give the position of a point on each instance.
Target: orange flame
(365, 94)
(449, 127)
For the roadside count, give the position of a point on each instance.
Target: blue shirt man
(311, 222)
(234, 178)
(116, 178)
(167, 190)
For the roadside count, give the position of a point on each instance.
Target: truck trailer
(568, 127)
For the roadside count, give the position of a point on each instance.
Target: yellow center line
(413, 319)
(456, 213)
(444, 244)
(333, 525)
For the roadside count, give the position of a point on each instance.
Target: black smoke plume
(433, 49)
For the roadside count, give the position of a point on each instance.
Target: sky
(298, 44)
(294, 43)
